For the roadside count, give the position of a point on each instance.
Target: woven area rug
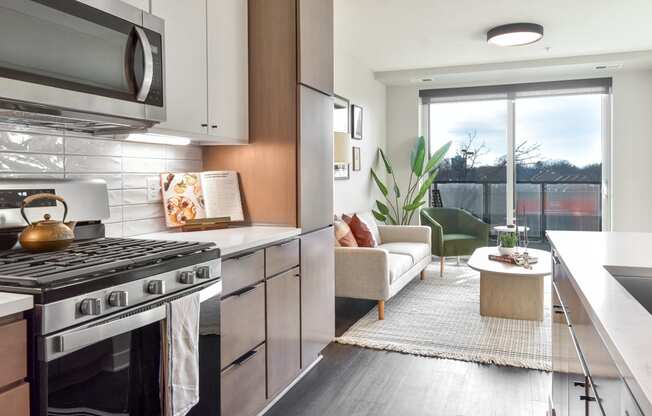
(440, 317)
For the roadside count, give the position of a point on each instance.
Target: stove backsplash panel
(129, 169)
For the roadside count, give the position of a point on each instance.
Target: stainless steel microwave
(88, 65)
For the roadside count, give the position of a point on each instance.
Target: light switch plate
(153, 189)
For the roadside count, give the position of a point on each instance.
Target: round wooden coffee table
(510, 291)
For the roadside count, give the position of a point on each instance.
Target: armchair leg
(423, 274)
(381, 310)
(442, 260)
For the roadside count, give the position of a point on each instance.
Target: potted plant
(508, 243)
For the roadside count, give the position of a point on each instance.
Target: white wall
(632, 151)
(356, 83)
(631, 205)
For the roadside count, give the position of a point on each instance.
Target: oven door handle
(148, 55)
(80, 338)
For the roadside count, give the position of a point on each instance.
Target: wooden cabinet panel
(242, 323)
(185, 64)
(13, 350)
(317, 293)
(15, 402)
(283, 330)
(242, 271)
(243, 385)
(316, 44)
(315, 160)
(281, 257)
(228, 76)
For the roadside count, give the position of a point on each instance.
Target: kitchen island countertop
(623, 324)
(231, 241)
(11, 303)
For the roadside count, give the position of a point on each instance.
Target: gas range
(102, 276)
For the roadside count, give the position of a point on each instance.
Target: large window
(530, 152)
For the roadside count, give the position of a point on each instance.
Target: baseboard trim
(285, 390)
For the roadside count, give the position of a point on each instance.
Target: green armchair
(455, 232)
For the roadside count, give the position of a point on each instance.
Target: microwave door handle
(81, 338)
(148, 55)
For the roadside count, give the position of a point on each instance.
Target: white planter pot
(506, 251)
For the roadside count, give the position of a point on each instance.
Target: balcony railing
(572, 206)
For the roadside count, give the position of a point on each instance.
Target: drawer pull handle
(579, 384)
(286, 243)
(559, 312)
(587, 398)
(241, 361)
(246, 291)
(245, 256)
(557, 306)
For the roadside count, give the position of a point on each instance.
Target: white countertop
(230, 240)
(624, 325)
(11, 303)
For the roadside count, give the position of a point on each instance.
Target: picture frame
(356, 122)
(341, 171)
(356, 158)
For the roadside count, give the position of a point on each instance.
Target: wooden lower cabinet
(13, 352)
(15, 401)
(283, 330)
(243, 385)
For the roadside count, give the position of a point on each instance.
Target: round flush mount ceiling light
(515, 34)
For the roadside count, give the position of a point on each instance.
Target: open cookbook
(193, 196)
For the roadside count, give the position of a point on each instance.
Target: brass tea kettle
(46, 234)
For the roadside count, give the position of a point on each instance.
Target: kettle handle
(37, 197)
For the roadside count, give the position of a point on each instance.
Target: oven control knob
(156, 287)
(91, 306)
(203, 272)
(187, 277)
(119, 298)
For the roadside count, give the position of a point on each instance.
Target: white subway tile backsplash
(140, 165)
(113, 180)
(30, 163)
(183, 152)
(93, 147)
(143, 211)
(12, 141)
(131, 228)
(182, 165)
(131, 170)
(99, 164)
(144, 150)
(134, 196)
(115, 197)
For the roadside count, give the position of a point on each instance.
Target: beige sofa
(378, 273)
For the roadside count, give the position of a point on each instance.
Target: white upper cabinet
(228, 74)
(206, 69)
(185, 65)
(141, 4)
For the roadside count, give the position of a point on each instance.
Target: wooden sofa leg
(381, 310)
(423, 274)
(442, 260)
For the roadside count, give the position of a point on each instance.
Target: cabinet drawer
(13, 350)
(15, 401)
(281, 257)
(242, 323)
(242, 271)
(243, 385)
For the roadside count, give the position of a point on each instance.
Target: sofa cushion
(417, 251)
(360, 230)
(398, 265)
(343, 235)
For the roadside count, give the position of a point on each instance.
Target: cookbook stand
(206, 224)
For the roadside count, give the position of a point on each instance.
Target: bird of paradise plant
(400, 207)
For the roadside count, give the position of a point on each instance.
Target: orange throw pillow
(361, 232)
(343, 235)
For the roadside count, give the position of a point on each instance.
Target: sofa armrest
(404, 234)
(361, 272)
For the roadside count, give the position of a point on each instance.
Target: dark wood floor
(359, 381)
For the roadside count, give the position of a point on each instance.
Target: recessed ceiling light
(515, 34)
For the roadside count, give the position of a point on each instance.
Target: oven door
(106, 59)
(112, 367)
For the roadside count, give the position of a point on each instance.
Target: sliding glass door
(521, 154)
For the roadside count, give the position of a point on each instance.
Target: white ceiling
(390, 35)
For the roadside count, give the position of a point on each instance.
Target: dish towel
(183, 355)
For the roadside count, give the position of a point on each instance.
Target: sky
(566, 127)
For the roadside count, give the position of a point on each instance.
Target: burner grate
(91, 257)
